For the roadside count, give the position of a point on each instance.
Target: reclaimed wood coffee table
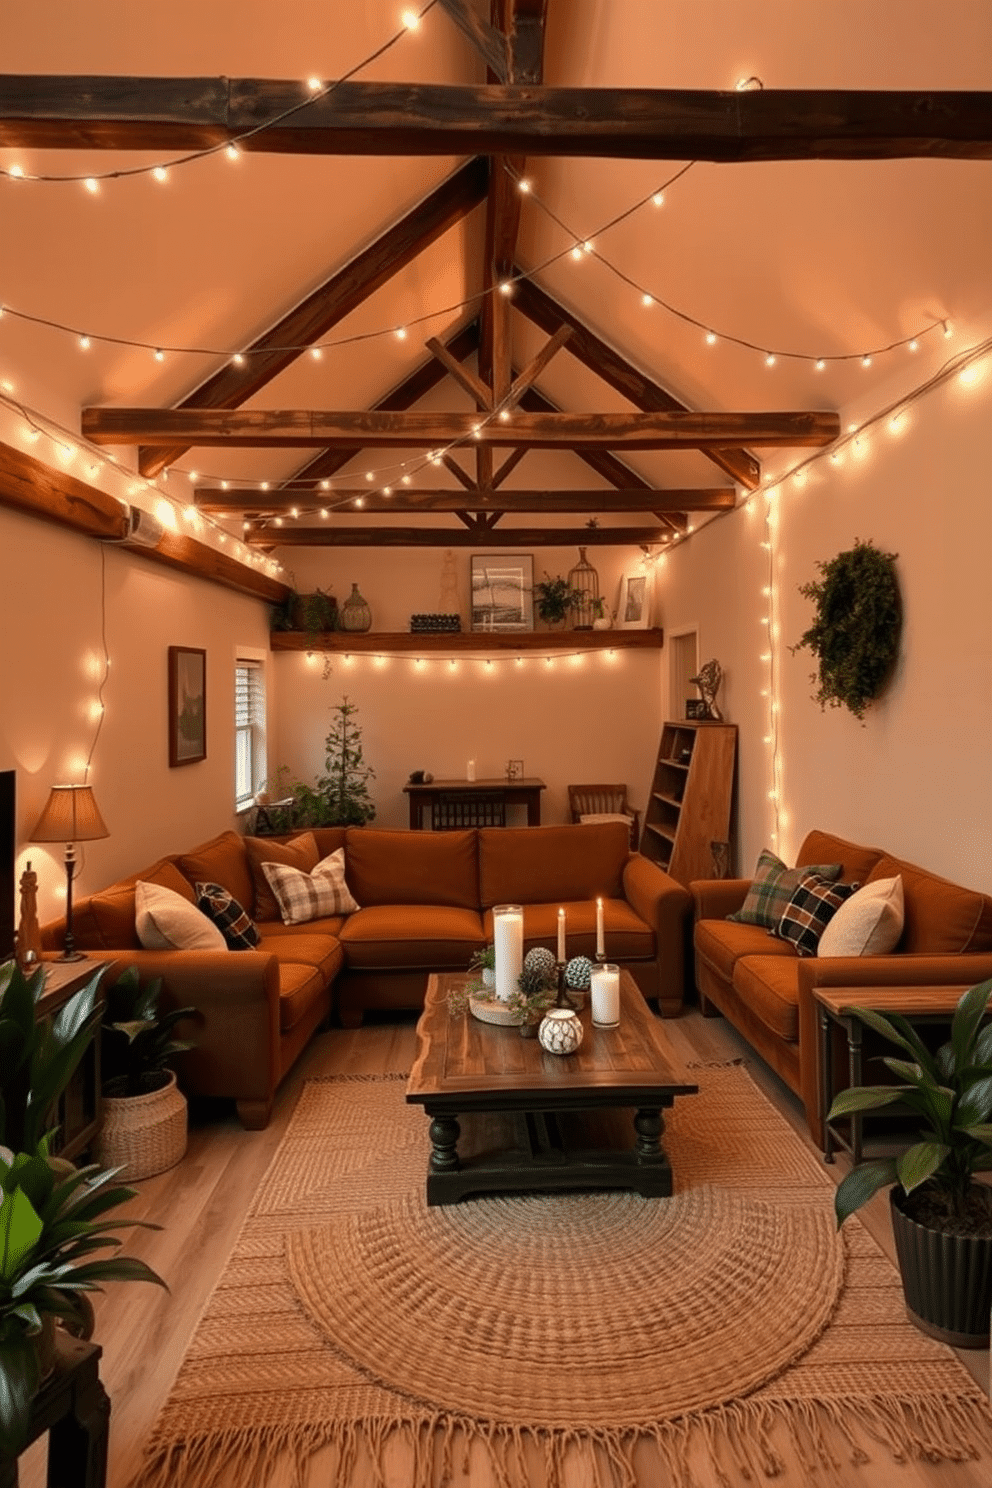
(537, 1121)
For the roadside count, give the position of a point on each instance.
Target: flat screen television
(8, 780)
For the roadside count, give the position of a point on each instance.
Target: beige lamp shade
(70, 815)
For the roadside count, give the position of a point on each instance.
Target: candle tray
(491, 1010)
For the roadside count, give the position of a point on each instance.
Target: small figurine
(708, 681)
(28, 931)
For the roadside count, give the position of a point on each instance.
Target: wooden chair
(604, 803)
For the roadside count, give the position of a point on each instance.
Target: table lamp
(71, 815)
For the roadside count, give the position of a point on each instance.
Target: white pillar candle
(600, 939)
(508, 941)
(470, 770)
(561, 935)
(605, 995)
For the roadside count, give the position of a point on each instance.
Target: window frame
(251, 729)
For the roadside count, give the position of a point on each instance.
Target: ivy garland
(855, 635)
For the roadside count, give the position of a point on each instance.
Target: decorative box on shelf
(435, 624)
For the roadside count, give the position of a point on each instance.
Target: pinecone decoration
(578, 973)
(541, 958)
(533, 979)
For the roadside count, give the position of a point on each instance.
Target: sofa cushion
(808, 913)
(627, 937)
(307, 896)
(770, 987)
(107, 920)
(823, 847)
(552, 865)
(223, 861)
(941, 917)
(303, 948)
(237, 927)
(773, 886)
(275, 930)
(394, 935)
(300, 987)
(721, 944)
(436, 868)
(166, 921)
(301, 852)
(869, 924)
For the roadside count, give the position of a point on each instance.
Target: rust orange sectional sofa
(426, 903)
(766, 990)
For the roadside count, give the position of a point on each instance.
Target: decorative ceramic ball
(578, 973)
(540, 959)
(560, 1031)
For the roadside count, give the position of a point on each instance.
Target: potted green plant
(484, 962)
(941, 1218)
(856, 629)
(555, 600)
(144, 1112)
(340, 797)
(51, 1225)
(38, 1057)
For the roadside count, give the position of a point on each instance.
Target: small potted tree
(941, 1218)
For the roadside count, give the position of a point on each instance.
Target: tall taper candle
(600, 940)
(561, 935)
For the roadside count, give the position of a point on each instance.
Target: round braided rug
(612, 1308)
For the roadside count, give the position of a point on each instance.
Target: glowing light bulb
(523, 186)
(866, 361)
(314, 84)
(278, 521)
(576, 252)
(232, 152)
(410, 19)
(92, 185)
(294, 511)
(914, 345)
(325, 485)
(587, 247)
(646, 299)
(504, 415)
(359, 500)
(401, 333)
(238, 359)
(820, 365)
(17, 171)
(84, 343)
(948, 329)
(770, 359)
(406, 480)
(387, 490)
(160, 173)
(316, 352)
(658, 199)
(710, 338)
(323, 511)
(506, 288)
(225, 485)
(370, 475)
(159, 354)
(263, 485)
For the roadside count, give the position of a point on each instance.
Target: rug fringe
(733, 1442)
(356, 1079)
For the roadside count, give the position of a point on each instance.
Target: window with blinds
(249, 732)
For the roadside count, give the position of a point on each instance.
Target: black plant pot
(946, 1280)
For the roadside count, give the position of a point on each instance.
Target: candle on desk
(508, 943)
(604, 984)
(600, 940)
(561, 935)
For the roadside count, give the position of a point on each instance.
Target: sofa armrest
(869, 971)
(666, 906)
(716, 898)
(236, 1028)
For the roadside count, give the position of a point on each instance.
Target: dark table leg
(854, 1074)
(445, 1132)
(77, 1444)
(649, 1125)
(534, 808)
(826, 1083)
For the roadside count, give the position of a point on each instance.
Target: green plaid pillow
(233, 922)
(773, 886)
(810, 911)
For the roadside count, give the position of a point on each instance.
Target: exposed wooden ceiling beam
(487, 41)
(337, 297)
(359, 118)
(657, 501)
(454, 537)
(464, 376)
(274, 428)
(620, 374)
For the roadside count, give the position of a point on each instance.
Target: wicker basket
(143, 1134)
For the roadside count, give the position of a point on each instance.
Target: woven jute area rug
(570, 1330)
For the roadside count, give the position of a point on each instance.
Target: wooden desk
(72, 1406)
(464, 795)
(833, 1004)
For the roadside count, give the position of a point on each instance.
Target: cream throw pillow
(869, 924)
(310, 896)
(165, 921)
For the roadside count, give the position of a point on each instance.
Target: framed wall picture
(634, 608)
(502, 591)
(187, 705)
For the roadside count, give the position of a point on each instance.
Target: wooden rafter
(487, 41)
(359, 118)
(337, 297)
(209, 499)
(260, 535)
(620, 374)
(265, 428)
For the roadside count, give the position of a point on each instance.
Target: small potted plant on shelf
(941, 1218)
(555, 600)
(144, 1113)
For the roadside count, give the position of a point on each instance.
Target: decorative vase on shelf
(355, 615)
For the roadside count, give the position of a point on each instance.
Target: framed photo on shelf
(187, 705)
(502, 591)
(634, 608)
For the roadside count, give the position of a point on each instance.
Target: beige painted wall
(917, 778)
(51, 660)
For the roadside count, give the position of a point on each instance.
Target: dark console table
(72, 1406)
(452, 804)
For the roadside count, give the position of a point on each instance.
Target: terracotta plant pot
(143, 1134)
(946, 1279)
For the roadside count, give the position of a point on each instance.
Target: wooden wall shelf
(423, 643)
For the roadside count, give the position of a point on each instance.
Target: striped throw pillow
(772, 888)
(231, 919)
(308, 896)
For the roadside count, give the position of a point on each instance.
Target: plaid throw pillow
(308, 896)
(332, 868)
(233, 922)
(773, 886)
(810, 911)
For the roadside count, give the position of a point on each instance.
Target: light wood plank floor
(201, 1205)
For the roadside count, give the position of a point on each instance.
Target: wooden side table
(73, 1407)
(834, 1004)
(525, 792)
(79, 1113)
